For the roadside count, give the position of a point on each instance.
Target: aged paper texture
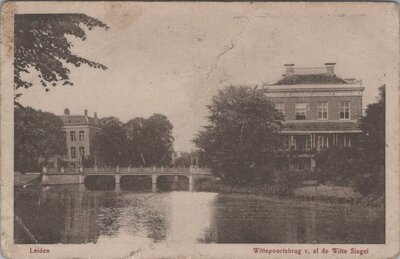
(199, 130)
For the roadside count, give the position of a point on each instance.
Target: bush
(61, 162)
(266, 176)
(207, 185)
(372, 200)
(370, 182)
(290, 179)
(277, 190)
(88, 161)
(308, 175)
(338, 165)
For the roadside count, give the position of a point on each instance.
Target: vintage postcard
(199, 130)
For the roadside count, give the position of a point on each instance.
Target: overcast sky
(171, 58)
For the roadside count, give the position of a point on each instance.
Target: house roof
(72, 120)
(311, 79)
(326, 126)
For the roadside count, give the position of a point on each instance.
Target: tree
(37, 135)
(363, 166)
(145, 142)
(373, 130)
(135, 131)
(41, 43)
(373, 126)
(110, 142)
(150, 140)
(243, 134)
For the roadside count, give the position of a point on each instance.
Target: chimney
(86, 113)
(289, 69)
(66, 111)
(95, 115)
(330, 68)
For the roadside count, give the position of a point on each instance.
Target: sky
(171, 58)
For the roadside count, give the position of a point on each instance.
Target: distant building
(176, 155)
(186, 159)
(79, 131)
(320, 110)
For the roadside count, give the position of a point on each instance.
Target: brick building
(79, 131)
(320, 110)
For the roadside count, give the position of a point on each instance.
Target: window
(344, 110)
(286, 142)
(82, 151)
(72, 135)
(302, 142)
(302, 164)
(73, 152)
(65, 135)
(323, 142)
(81, 135)
(322, 110)
(301, 111)
(308, 142)
(280, 107)
(346, 141)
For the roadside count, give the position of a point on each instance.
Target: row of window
(72, 136)
(81, 152)
(304, 142)
(322, 110)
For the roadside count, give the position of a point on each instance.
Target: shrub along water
(263, 190)
(282, 188)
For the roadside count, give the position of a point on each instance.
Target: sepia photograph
(172, 130)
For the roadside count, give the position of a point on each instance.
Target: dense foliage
(110, 145)
(41, 43)
(139, 142)
(362, 167)
(150, 140)
(37, 135)
(338, 165)
(373, 128)
(371, 180)
(242, 136)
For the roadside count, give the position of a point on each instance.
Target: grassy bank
(320, 193)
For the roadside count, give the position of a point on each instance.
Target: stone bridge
(63, 176)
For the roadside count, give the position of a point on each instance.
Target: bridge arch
(136, 182)
(99, 182)
(173, 183)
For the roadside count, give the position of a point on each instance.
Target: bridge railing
(128, 170)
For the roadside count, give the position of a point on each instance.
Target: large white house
(320, 110)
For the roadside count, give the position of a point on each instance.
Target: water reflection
(189, 216)
(261, 220)
(70, 214)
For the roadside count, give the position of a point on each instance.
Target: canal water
(71, 215)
